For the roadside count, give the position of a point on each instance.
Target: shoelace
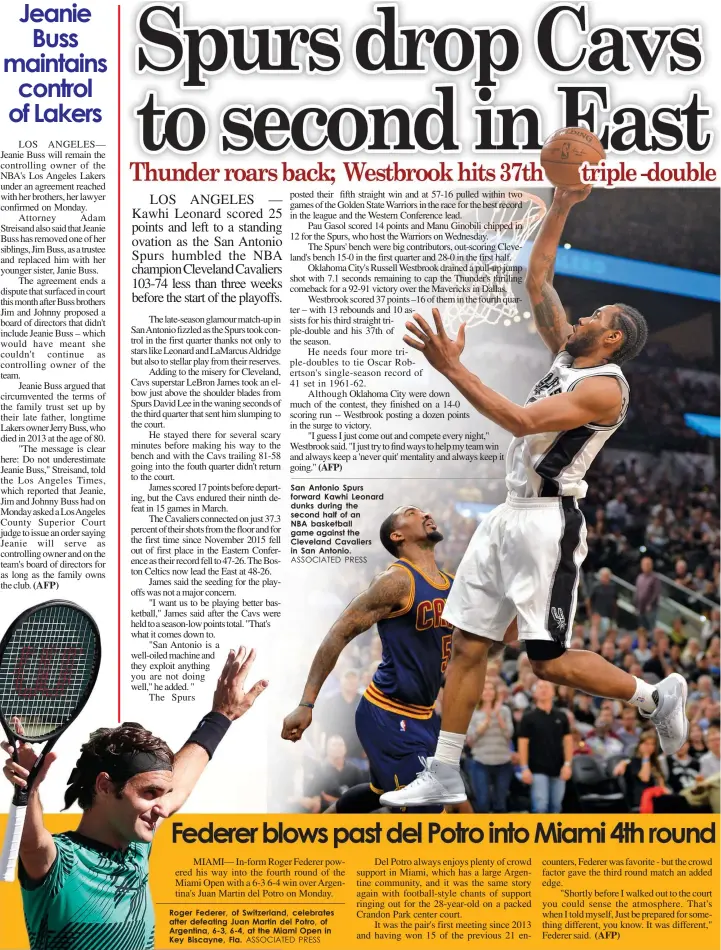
(425, 774)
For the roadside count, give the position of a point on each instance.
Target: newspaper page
(359, 466)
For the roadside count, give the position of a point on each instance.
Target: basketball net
(503, 226)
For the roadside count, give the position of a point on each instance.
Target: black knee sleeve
(359, 800)
(543, 650)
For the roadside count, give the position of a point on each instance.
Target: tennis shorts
(523, 561)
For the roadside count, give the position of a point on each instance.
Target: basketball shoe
(669, 716)
(437, 784)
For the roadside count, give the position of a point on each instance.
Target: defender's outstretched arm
(548, 312)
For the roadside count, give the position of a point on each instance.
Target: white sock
(449, 748)
(643, 697)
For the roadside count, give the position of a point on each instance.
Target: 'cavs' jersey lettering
(429, 614)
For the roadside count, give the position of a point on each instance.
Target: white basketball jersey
(552, 464)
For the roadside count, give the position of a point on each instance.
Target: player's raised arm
(388, 592)
(37, 848)
(597, 400)
(548, 312)
(231, 700)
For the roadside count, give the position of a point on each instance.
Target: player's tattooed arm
(551, 321)
(388, 592)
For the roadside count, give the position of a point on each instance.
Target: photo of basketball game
(596, 685)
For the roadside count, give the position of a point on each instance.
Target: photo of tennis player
(89, 888)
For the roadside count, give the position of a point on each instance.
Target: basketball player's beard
(581, 343)
(434, 536)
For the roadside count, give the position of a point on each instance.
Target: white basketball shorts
(523, 560)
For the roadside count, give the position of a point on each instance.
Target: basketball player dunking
(395, 720)
(524, 558)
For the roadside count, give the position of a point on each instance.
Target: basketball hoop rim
(538, 202)
(524, 215)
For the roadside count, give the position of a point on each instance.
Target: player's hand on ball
(295, 724)
(231, 698)
(571, 196)
(17, 772)
(443, 353)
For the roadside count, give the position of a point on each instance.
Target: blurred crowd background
(649, 598)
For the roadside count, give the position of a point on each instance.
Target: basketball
(565, 151)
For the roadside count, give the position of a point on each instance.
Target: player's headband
(120, 768)
(125, 766)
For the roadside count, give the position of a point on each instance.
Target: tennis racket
(49, 661)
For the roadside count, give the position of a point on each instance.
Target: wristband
(209, 731)
(309, 705)
(566, 765)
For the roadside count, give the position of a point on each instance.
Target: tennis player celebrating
(88, 889)
(524, 559)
